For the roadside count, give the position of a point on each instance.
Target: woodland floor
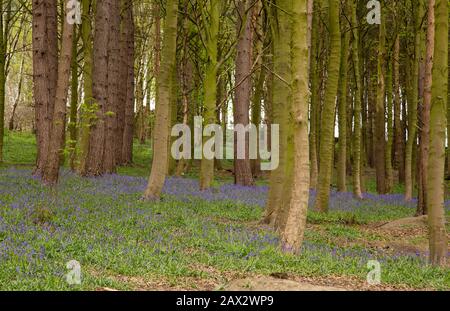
(194, 240)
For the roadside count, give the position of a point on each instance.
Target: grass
(187, 240)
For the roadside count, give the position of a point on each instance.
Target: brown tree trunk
(51, 172)
(45, 63)
(425, 112)
(127, 146)
(242, 169)
(111, 112)
(100, 87)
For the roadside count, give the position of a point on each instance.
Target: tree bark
(242, 169)
(210, 87)
(438, 122)
(51, 172)
(293, 230)
(412, 107)
(100, 88)
(329, 109)
(357, 191)
(342, 114)
(380, 124)
(127, 146)
(160, 156)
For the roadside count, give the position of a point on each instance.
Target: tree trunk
(380, 124)
(329, 109)
(73, 102)
(357, 110)
(293, 231)
(11, 123)
(112, 101)
(210, 86)
(438, 122)
(127, 146)
(242, 169)
(315, 94)
(87, 112)
(44, 63)
(412, 107)
(51, 172)
(100, 88)
(160, 156)
(342, 114)
(399, 141)
(390, 131)
(281, 104)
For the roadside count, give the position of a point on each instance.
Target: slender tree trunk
(112, 101)
(210, 86)
(438, 122)
(3, 48)
(390, 131)
(87, 106)
(51, 172)
(11, 123)
(259, 40)
(281, 103)
(399, 141)
(425, 112)
(380, 124)
(293, 231)
(127, 146)
(73, 101)
(357, 110)
(342, 114)
(412, 107)
(329, 109)
(315, 95)
(160, 156)
(242, 169)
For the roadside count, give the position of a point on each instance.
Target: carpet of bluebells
(102, 223)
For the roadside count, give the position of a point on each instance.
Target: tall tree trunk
(242, 169)
(259, 41)
(281, 41)
(357, 191)
(127, 146)
(3, 48)
(112, 107)
(425, 111)
(390, 131)
(293, 231)
(329, 109)
(438, 122)
(380, 124)
(73, 101)
(11, 123)
(413, 102)
(87, 112)
(315, 94)
(210, 86)
(100, 88)
(160, 155)
(399, 141)
(44, 65)
(51, 172)
(342, 113)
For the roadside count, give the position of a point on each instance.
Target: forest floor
(194, 240)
